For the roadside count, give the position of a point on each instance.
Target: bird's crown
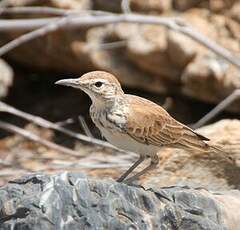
(102, 76)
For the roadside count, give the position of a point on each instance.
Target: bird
(133, 123)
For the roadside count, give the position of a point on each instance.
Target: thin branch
(211, 45)
(65, 122)
(219, 108)
(24, 24)
(53, 24)
(34, 10)
(106, 46)
(49, 10)
(35, 138)
(167, 103)
(50, 125)
(85, 126)
(125, 5)
(77, 21)
(7, 3)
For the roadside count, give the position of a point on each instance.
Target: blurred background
(185, 77)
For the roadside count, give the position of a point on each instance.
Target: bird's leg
(153, 164)
(138, 162)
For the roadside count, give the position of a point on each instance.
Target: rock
(185, 4)
(220, 5)
(144, 62)
(174, 62)
(213, 5)
(151, 57)
(72, 4)
(234, 12)
(73, 201)
(147, 51)
(181, 50)
(112, 6)
(217, 73)
(6, 78)
(117, 60)
(151, 6)
(234, 28)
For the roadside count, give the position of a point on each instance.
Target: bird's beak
(69, 82)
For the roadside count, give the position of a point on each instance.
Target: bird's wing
(151, 124)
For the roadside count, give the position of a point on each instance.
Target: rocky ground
(188, 190)
(74, 201)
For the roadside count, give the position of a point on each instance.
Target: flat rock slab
(73, 201)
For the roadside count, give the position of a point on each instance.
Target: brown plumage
(149, 123)
(134, 123)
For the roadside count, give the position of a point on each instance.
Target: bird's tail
(193, 140)
(224, 153)
(216, 148)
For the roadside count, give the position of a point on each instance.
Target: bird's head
(99, 85)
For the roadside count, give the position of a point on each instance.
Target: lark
(133, 123)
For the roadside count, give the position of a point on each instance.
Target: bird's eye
(98, 84)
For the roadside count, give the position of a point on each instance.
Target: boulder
(234, 12)
(157, 6)
(170, 61)
(150, 57)
(6, 78)
(74, 201)
(213, 5)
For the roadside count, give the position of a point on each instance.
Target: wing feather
(149, 123)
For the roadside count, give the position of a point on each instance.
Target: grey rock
(73, 201)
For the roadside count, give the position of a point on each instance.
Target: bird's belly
(125, 142)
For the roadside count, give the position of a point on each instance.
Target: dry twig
(85, 126)
(52, 24)
(7, 3)
(219, 108)
(50, 125)
(65, 122)
(49, 10)
(125, 5)
(35, 138)
(106, 46)
(34, 10)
